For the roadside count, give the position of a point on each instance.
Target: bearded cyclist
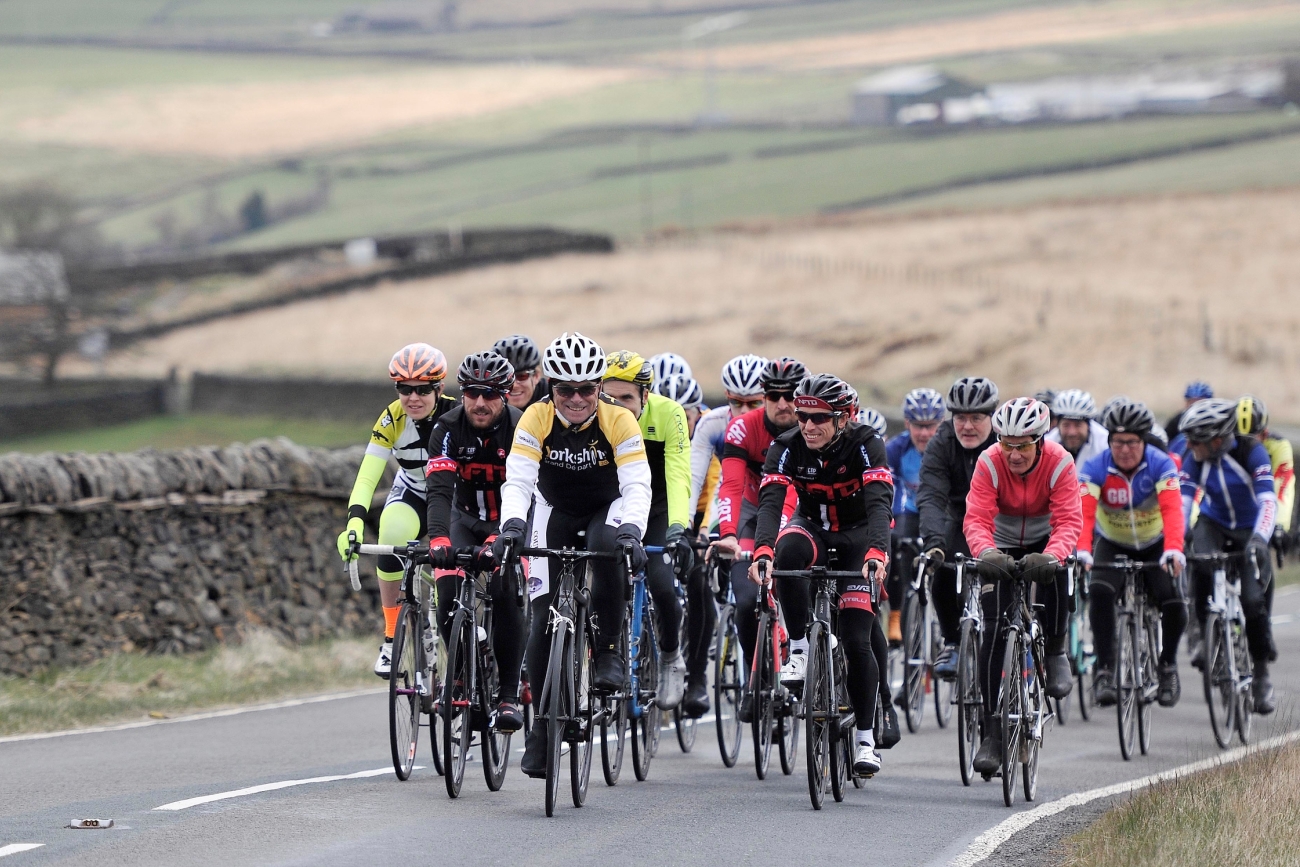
(1023, 511)
(663, 425)
(1238, 512)
(946, 469)
(467, 466)
(742, 383)
(524, 357)
(402, 432)
(1131, 497)
(923, 410)
(749, 437)
(1076, 426)
(845, 490)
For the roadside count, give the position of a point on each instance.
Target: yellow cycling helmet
(1252, 416)
(629, 367)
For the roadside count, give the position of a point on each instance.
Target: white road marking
(215, 714)
(15, 848)
(988, 842)
(271, 787)
(1279, 619)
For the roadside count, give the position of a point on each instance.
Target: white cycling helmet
(667, 364)
(1074, 403)
(682, 389)
(1022, 417)
(573, 357)
(743, 375)
(873, 419)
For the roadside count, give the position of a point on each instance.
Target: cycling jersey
(1005, 509)
(578, 469)
(748, 438)
(406, 440)
(839, 487)
(1237, 485)
(1098, 441)
(707, 445)
(1132, 510)
(905, 463)
(1282, 459)
(668, 449)
(468, 464)
(946, 470)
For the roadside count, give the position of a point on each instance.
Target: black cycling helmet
(783, 373)
(1252, 416)
(973, 394)
(825, 393)
(520, 351)
(1124, 415)
(1209, 418)
(486, 370)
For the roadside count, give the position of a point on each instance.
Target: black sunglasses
(415, 389)
(814, 417)
(567, 391)
(775, 396)
(481, 393)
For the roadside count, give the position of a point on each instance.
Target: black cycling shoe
(1059, 679)
(1103, 688)
(533, 764)
(988, 758)
(889, 732)
(1261, 690)
(1170, 689)
(945, 667)
(609, 670)
(510, 717)
(695, 703)
(746, 712)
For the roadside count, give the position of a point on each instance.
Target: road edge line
(988, 842)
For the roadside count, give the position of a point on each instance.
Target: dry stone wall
(168, 551)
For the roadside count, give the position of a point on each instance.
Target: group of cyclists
(575, 446)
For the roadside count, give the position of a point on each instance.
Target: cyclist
(578, 461)
(663, 424)
(686, 392)
(742, 383)
(667, 364)
(839, 472)
(1131, 496)
(1048, 397)
(1076, 426)
(467, 466)
(1023, 511)
(923, 410)
(749, 437)
(1237, 513)
(1252, 421)
(1196, 390)
(946, 469)
(402, 432)
(874, 419)
(522, 353)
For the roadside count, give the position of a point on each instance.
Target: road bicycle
(967, 694)
(922, 642)
(1078, 648)
(1225, 671)
(1137, 651)
(775, 708)
(413, 685)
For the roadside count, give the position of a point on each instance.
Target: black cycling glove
(629, 538)
(510, 539)
(679, 543)
(1040, 567)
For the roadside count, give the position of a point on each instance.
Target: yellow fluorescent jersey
(406, 440)
(1282, 457)
(668, 448)
(578, 469)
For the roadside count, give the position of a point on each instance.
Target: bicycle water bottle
(430, 643)
(482, 639)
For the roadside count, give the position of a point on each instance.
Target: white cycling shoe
(792, 673)
(384, 664)
(866, 761)
(672, 680)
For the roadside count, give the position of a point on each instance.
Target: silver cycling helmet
(742, 376)
(1022, 417)
(973, 394)
(1074, 403)
(1209, 418)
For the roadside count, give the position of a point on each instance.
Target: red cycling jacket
(1007, 510)
(749, 436)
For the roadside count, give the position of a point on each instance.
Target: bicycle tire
(1084, 662)
(435, 693)
(1128, 679)
(580, 745)
(1220, 687)
(458, 701)
(1148, 680)
(685, 730)
(1245, 703)
(612, 748)
(841, 751)
(728, 689)
(496, 744)
(969, 703)
(656, 714)
(943, 690)
(913, 662)
(404, 708)
(645, 724)
(1035, 704)
(554, 705)
(765, 676)
(1013, 713)
(787, 725)
(818, 715)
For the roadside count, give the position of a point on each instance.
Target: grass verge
(1243, 813)
(132, 686)
(198, 429)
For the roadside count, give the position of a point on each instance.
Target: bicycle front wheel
(969, 703)
(1245, 705)
(841, 728)
(1034, 726)
(403, 693)
(496, 744)
(1220, 685)
(457, 704)
(765, 678)
(728, 689)
(818, 694)
(1013, 712)
(556, 707)
(613, 728)
(1128, 682)
(645, 725)
(1147, 682)
(581, 730)
(944, 690)
(914, 667)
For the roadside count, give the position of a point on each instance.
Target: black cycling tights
(701, 620)
(662, 585)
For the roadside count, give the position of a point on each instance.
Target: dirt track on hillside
(1109, 296)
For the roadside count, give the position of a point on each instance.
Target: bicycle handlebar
(414, 551)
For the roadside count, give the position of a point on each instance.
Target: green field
(170, 432)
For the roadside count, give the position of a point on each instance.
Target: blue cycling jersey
(905, 464)
(1238, 486)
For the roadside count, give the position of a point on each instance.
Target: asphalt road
(692, 810)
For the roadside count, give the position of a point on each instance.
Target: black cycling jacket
(946, 469)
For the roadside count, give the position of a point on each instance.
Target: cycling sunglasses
(744, 405)
(1023, 448)
(814, 417)
(776, 396)
(481, 393)
(584, 391)
(423, 390)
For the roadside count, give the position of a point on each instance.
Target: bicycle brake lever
(353, 548)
